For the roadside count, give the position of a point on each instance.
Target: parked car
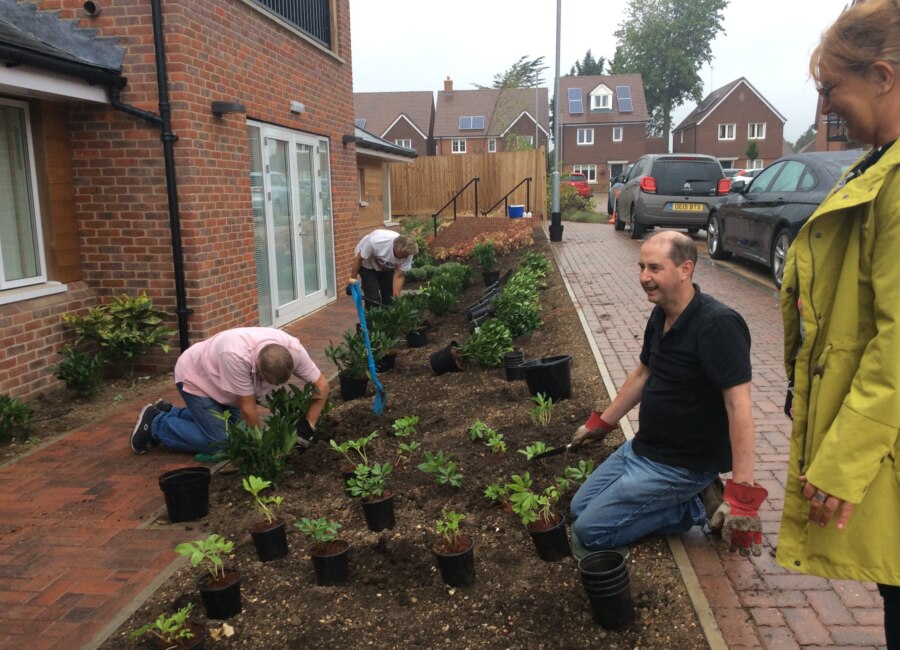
(580, 182)
(615, 186)
(748, 173)
(674, 190)
(760, 217)
(730, 171)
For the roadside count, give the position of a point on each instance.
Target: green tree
(524, 73)
(808, 136)
(588, 66)
(667, 42)
(752, 150)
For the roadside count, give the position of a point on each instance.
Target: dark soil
(395, 597)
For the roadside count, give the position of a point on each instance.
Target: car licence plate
(688, 207)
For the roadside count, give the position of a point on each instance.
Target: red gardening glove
(738, 517)
(595, 428)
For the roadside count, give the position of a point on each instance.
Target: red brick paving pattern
(757, 604)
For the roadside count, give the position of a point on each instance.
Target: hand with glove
(738, 517)
(306, 433)
(596, 428)
(350, 284)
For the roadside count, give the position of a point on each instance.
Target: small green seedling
(405, 451)
(478, 431)
(255, 485)
(495, 441)
(448, 526)
(405, 427)
(496, 492)
(369, 482)
(208, 551)
(534, 449)
(442, 468)
(542, 411)
(320, 531)
(358, 446)
(579, 473)
(168, 629)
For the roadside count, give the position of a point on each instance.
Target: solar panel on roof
(471, 122)
(576, 105)
(623, 97)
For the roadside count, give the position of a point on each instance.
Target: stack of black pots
(604, 576)
(511, 363)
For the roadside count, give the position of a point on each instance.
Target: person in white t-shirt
(229, 371)
(382, 258)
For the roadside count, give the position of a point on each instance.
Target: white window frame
(756, 163)
(492, 145)
(618, 130)
(589, 171)
(601, 101)
(584, 137)
(724, 130)
(31, 172)
(756, 131)
(681, 137)
(530, 139)
(404, 142)
(458, 145)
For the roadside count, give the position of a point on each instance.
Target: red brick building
(404, 118)
(727, 121)
(265, 186)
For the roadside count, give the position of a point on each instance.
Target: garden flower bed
(395, 597)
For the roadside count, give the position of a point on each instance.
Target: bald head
(679, 247)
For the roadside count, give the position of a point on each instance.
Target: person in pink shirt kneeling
(230, 371)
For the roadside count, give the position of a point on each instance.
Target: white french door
(293, 239)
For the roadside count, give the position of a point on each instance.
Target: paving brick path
(757, 604)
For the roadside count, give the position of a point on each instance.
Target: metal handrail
(505, 198)
(453, 201)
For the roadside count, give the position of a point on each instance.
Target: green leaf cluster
(405, 451)
(495, 442)
(496, 492)
(265, 504)
(485, 347)
(479, 431)
(542, 411)
(319, 530)
(405, 426)
(395, 321)
(534, 449)
(369, 481)
(292, 403)
(349, 356)
(485, 256)
(357, 446)
(579, 473)
(256, 451)
(537, 263)
(81, 372)
(443, 468)
(14, 418)
(448, 526)
(530, 505)
(208, 552)
(518, 306)
(168, 629)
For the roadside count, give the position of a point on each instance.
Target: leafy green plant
(453, 276)
(395, 321)
(320, 531)
(382, 344)
(542, 411)
(405, 451)
(292, 402)
(369, 482)
(265, 504)
(485, 256)
(440, 299)
(518, 305)
(442, 468)
(168, 629)
(208, 552)
(496, 492)
(486, 345)
(530, 505)
(579, 473)
(125, 328)
(350, 356)
(536, 262)
(81, 372)
(14, 418)
(417, 273)
(448, 527)
(406, 426)
(479, 431)
(358, 446)
(534, 449)
(256, 451)
(495, 442)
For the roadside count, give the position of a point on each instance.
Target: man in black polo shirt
(693, 384)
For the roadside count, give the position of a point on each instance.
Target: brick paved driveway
(757, 604)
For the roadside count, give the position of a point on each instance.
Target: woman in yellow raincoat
(841, 307)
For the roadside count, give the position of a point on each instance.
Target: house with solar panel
(403, 118)
(725, 124)
(603, 125)
(490, 120)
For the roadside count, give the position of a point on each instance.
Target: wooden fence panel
(426, 184)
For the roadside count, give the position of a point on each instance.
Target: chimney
(448, 85)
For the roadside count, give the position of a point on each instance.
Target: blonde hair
(405, 246)
(863, 34)
(275, 364)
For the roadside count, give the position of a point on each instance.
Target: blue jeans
(630, 496)
(194, 427)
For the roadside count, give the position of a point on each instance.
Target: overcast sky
(415, 45)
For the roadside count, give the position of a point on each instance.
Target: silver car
(670, 190)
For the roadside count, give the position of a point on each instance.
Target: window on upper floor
(22, 260)
(458, 145)
(585, 136)
(756, 131)
(726, 131)
(312, 17)
(601, 98)
(617, 133)
(404, 142)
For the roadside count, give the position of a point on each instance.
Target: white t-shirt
(377, 252)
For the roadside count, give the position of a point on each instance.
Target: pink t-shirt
(223, 366)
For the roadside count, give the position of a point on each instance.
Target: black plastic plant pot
(605, 588)
(613, 611)
(551, 376)
(187, 493)
(387, 362)
(458, 569)
(512, 362)
(417, 338)
(490, 277)
(379, 513)
(221, 598)
(551, 542)
(196, 642)
(446, 359)
(480, 311)
(270, 540)
(331, 561)
(352, 387)
(602, 566)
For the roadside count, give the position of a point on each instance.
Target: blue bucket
(516, 211)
